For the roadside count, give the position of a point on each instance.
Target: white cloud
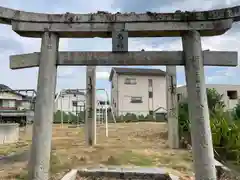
(102, 75)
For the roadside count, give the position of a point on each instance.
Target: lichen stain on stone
(225, 13)
(188, 16)
(108, 16)
(69, 17)
(159, 16)
(16, 15)
(103, 12)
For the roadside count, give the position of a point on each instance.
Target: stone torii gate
(189, 25)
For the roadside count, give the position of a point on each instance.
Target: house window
(136, 99)
(8, 103)
(112, 86)
(74, 103)
(5, 103)
(131, 81)
(232, 94)
(150, 112)
(179, 96)
(150, 82)
(19, 103)
(150, 94)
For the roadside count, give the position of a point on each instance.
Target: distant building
(231, 93)
(138, 90)
(74, 101)
(11, 100)
(70, 100)
(15, 107)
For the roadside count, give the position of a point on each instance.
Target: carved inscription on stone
(89, 83)
(90, 112)
(119, 41)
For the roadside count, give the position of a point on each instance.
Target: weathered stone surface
(133, 173)
(102, 24)
(134, 29)
(70, 58)
(6, 15)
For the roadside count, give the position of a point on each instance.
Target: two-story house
(15, 107)
(12, 100)
(231, 93)
(137, 90)
(74, 101)
(70, 100)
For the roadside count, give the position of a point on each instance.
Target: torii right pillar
(204, 163)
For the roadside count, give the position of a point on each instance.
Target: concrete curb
(72, 175)
(120, 173)
(225, 173)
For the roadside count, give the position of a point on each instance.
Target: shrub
(225, 133)
(236, 112)
(67, 117)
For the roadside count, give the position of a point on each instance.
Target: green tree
(215, 105)
(183, 120)
(225, 134)
(237, 111)
(215, 100)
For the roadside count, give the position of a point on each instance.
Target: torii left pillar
(90, 110)
(39, 162)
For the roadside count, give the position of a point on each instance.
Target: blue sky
(69, 77)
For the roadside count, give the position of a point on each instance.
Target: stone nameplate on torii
(119, 41)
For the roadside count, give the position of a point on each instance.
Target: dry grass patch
(137, 144)
(8, 149)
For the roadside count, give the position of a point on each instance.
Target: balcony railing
(7, 108)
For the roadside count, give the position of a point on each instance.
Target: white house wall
(125, 92)
(67, 104)
(25, 105)
(67, 100)
(221, 89)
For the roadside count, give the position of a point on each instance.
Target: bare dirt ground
(136, 144)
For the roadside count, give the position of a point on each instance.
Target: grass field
(136, 144)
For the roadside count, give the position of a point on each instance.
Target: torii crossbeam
(97, 58)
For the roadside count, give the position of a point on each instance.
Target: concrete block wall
(9, 133)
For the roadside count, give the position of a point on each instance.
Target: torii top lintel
(30, 22)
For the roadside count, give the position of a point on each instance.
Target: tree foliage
(225, 133)
(237, 111)
(215, 100)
